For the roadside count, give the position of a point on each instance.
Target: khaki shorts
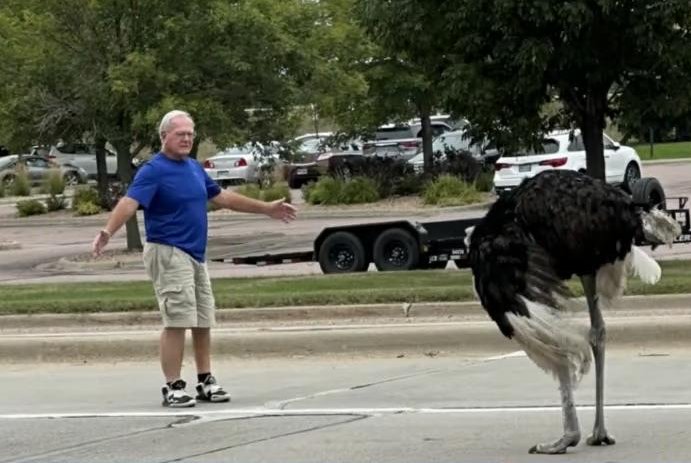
(182, 287)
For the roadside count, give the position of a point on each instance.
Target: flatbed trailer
(409, 245)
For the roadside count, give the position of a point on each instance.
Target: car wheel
(342, 252)
(396, 249)
(71, 179)
(8, 181)
(631, 176)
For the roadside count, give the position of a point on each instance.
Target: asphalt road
(451, 408)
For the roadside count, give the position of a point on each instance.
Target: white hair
(167, 119)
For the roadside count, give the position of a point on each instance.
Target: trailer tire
(396, 249)
(648, 191)
(342, 252)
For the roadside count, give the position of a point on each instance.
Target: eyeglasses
(184, 134)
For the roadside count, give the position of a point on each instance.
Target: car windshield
(452, 141)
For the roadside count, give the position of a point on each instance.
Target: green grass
(664, 150)
(362, 288)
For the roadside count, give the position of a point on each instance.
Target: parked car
(83, 155)
(302, 173)
(239, 164)
(565, 150)
(402, 140)
(456, 140)
(38, 168)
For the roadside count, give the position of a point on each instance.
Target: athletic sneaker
(175, 395)
(209, 391)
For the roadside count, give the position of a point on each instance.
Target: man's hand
(100, 242)
(281, 210)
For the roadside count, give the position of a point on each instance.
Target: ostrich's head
(660, 227)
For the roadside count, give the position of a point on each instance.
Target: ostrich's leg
(597, 341)
(572, 432)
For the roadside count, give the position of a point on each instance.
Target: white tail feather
(552, 341)
(643, 266)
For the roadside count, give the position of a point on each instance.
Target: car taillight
(240, 162)
(558, 162)
(208, 164)
(500, 166)
(409, 144)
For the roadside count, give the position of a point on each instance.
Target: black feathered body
(555, 225)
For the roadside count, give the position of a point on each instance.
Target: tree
(401, 78)
(109, 69)
(505, 61)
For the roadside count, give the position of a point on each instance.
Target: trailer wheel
(396, 249)
(342, 252)
(648, 191)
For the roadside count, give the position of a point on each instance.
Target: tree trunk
(592, 126)
(134, 241)
(195, 147)
(425, 121)
(102, 172)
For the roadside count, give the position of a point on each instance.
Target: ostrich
(553, 226)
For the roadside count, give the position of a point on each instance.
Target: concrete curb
(652, 162)
(307, 313)
(644, 333)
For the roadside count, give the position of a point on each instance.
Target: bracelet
(107, 233)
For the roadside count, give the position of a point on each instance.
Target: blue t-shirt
(174, 195)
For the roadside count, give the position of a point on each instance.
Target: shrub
(485, 181)
(277, 191)
(87, 208)
(54, 184)
(448, 190)
(21, 185)
(251, 190)
(326, 191)
(307, 189)
(30, 207)
(85, 195)
(391, 176)
(56, 203)
(359, 190)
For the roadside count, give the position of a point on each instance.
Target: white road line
(335, 411)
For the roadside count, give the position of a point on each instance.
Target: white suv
(564, 150)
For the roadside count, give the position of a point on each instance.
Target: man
(173, 190)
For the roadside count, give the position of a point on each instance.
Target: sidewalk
(645, 323)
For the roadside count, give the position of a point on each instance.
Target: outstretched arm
(125, 209)
(279, 209)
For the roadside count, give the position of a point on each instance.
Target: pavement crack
(269, 438)
(281, 405)
(83, 445)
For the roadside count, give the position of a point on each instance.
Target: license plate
(524, 168)
(301, 171)
(221, 173)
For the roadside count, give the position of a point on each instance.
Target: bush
(448, 190)
(21, 185)
(54, 184)
(359, 190)
(485, 181)
(277, 191)
(326, 191)
(307, 189)
(56, 203)
(391, 176)
(84, 195)
(87, 208)
(251, 190)
(30, 207)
